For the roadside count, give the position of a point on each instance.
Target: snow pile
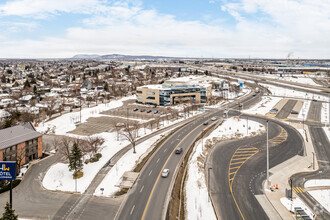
(317, 183)
(264, 106)
(327, 132)
(300, 79)
(290, 205)
(323, 197)
(198, 205)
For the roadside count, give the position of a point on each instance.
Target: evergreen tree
(106, 86)
(35, 89)
(75, 159)
(27, 84)
(9, 213)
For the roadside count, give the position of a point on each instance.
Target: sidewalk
(282, 172)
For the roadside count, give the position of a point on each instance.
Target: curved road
(239, 169)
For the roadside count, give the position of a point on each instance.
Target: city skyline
(217, 28)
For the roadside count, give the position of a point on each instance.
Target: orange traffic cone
(276, 186)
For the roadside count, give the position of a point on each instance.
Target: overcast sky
(185, 28)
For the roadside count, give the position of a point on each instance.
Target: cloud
(263, 28)
(43, 8)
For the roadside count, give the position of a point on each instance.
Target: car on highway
(294, 112)
(178, 150)
(155, 112)
(273, 110)
(165, 173)
(213, 118)
(205, 123)
(135, 109)
(149, 111)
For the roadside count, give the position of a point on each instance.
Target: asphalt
(314, 113)
(250, 176)
(286, 110)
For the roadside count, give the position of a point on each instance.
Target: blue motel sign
(7, 170)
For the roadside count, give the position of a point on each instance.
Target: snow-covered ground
(317, 183)
(112, 180)
(327, 132)
(285, 92)
(322, 196)
(305, 79)
(198, 205)
(296, 203)
(264, 106)
(325, 113)
(304, 110)
(65, 123)
(111, 146)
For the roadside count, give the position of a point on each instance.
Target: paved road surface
(286, 110)
(247, 177)
(314, 113)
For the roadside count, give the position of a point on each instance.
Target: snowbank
(296, 203)
(264, 106)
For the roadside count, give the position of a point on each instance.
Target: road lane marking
(153, 188)
(132, 209)
(158, 160)
(232, 174)
(165, 150)
(142, 188)
(150, 172)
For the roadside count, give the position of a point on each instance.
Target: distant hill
(117, 57)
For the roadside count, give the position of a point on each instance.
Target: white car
(213, 118)
(165, 173)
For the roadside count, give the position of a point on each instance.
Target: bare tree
(131, 132)
(64, 147)
(92, 145)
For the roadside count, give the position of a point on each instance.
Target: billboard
(7, 170)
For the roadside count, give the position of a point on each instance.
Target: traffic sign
(7, 170)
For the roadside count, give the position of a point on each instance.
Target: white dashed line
(142, 188)
(158, 160)
(132, 209)
(150, 172)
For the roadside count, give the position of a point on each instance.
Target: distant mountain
(86, 56)
(117, 57)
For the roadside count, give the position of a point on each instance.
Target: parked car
(254, 94)
(155, 112)
(294, 112)
(205, 123)
(314, 100)
(165, 172)
(178, 150)
(213, 118)
(135, 109)
(273, 111)
(142, 110)
(149, 111)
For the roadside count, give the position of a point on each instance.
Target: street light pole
(267, 158)
(247, 126)
(208, 182)
(313, 160)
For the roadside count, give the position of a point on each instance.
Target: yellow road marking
(231, 180)
(243, 154)
(153, 188)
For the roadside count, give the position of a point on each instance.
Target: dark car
(149, 111)
(135, 109)
(294, 112)
(205, 123)
(178, 150)
(155, 112)
(142, 110)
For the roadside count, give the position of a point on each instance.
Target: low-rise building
(21, 143)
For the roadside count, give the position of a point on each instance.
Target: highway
(286, 110)
(235, 181)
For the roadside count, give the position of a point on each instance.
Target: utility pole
(267, 158)
(247, 126)
(313, 160)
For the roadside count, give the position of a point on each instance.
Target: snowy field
(264, 106)
(296, 203)
(301, 79)
(317, 183)
(325, 113)
(291, 93)
(198, 205)
(323, 197)
(304, 110)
